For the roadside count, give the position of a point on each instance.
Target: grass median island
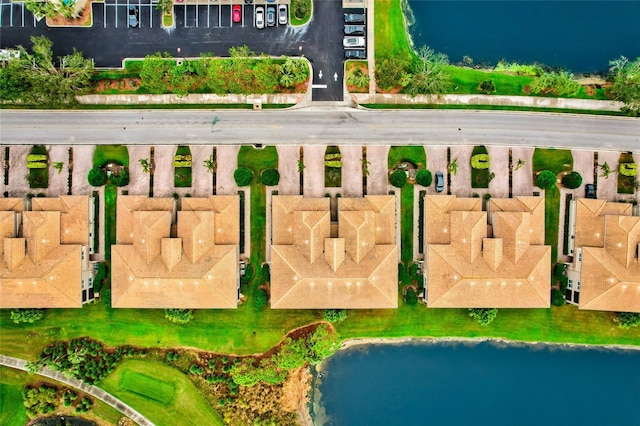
(161, 393)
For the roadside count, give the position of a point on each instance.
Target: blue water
(480, 384)
(581, 36)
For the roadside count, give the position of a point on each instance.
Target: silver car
(349, 42)
(271, 16)
(259, 17)
(283, 17)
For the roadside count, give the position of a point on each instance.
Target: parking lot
(17, 15)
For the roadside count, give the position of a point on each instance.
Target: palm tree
(286, 80)
(209, 164)
(146, 166)
(453, 167)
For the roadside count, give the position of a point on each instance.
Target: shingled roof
(41, 252)
(356, 268)
(610, 241)
(193, 266)
(469, 268)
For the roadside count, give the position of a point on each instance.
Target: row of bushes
(98, 177)
(183, 163)
(243, 176)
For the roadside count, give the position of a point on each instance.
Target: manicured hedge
(270, 177)
(120, 179)
(398, 178)
(424, 177)
(243, 176)
(97, 176)
(628, 169)
(480, 161)
(546, 179)
(572, 180)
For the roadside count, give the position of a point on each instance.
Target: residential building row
(185, 253)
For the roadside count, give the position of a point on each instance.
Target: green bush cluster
(424, 177)
(179, 316)
(97, 176)
(36, 157)
(398, 178)
(185, 163)
(261, 299)
(196, 369)
(334, 315)
(270, 177)
(546, 179)
(557, 83)
(410, 297)
(40, 400)
(628, 169)
(557, 298)
(121, 178)
(265, 271)
(101, 274)
(36, 165)
(572, 180)
(26, 315)
(173, 356)
(480, 161)
(243, 176)
(627, 319)
(182, 157)
(484, 316)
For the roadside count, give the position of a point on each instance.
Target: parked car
(354, 30)
(271, 16)
(355, 54)
(259, 17)
(354, 18)
(237, 13)
(283, 16)
(439, 182)
(133, 17)
(590, 191)
(353, 42)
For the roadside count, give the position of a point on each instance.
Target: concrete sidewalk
(94, 391)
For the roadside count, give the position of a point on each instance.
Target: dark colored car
(354, 18)
(237, 13)
(133, 17)
(354, 30)
(590, 191)
(439, 182)
(355, 54)
(271, 16)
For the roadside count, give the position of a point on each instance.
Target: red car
(237, 13)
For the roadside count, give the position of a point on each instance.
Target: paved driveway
(163, 173)
(58, 182)
(378, 180)
(499, 156)
(351, 170)
(461, 182)
(288, 157)
(82, 163)
(314, 171)
(436, 162)
(201, 179)
(18, 185)
(583, 164)
(139, 181)
(227, 163)
(522, 182)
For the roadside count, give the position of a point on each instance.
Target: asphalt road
(298, 127)
(206, 28)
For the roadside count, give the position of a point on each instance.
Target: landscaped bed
(357, 73)
(627, 174)
(182, 167)
(480, 163)
(38, 166)
(332, 167)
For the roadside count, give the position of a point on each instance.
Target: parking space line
(185, 15)
(104, 11)
(220, 16)
(151, 15)
(22, 7)
(208, 16)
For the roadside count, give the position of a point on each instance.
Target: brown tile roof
(467, 268)
(610, 277)
(355, 268)
(195, 268)
(590, 216)
(42, 268)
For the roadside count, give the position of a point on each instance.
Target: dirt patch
(121, 84)
(295, 394)
(590, 90)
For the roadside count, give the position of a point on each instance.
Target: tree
(97, 176)
(34, 78)
(270, 177)
(358, 78)
(121, 178)
(165, 6)
(301, 166)
(398, 178)
(392, 71)
(546, 179)
(487, 87)
(483, 315)
(180, 316)
(410, 297)
(261, 299)
(559, 83)
(58, 165)
(572, 180)
(292, 354)
(626, 83)
(453, 167)
(243, 176)
(606, 170)
(627, 319)
(365, 167)
(301, 8)
(428, 73)
(557, 298)
(146, 165)
(210, 164)
(26, 315)
(334, 315)
(424, 177)
(154, 72)
(519, 165)
(322, 343)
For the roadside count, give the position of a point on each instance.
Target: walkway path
(96, 392)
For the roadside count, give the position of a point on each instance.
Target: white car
(283, 16)
(260, 17)
(348, 42)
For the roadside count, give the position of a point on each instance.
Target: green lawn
(105, 153)
(110, 199)
(161, 393)
(390, 34)
(416, 155)
(13, 413)
(565, 324)
(558, 161)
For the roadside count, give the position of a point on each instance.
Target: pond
(581, 36)
(452, 383)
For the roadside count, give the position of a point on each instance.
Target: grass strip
(147, 386)
(494, 108)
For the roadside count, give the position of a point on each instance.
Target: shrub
(484, 316)
(398, 178)
(179, 164)
(172, 356)
(557, 297)
(120, 179)
(196, 369)
(424, 177)
(265, 270)
(334, 315)
(301, 8)
(101, 274)
(572, 180)
(628, 169)
(261, 299)
(36, 165)
(322, 343)
(26, 315)
(270, 177)
(480, 161)
(546, 179)
(97, 176)
(487, 87)
(180, 316)
(243, 176)
(410, 297)
(627, 319)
